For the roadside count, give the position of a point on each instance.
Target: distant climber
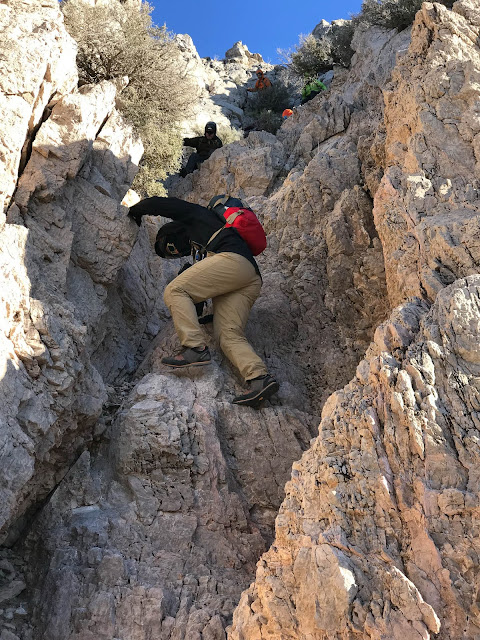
(311, 89)
(287, 113)
(228, 274)
(262, 82)
(205, 145)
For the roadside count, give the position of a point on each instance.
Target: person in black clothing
(228, 275)
(205, 145)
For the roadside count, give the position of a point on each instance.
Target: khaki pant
(232, 283)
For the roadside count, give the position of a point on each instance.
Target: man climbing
(205, 145)
(228, 275)
(311, 89)
(262, 82)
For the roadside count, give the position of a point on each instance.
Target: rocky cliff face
(221, 84)
(136, 502)
(376, 537)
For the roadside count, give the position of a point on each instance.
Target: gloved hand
(135, 214)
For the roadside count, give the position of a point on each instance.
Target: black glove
(135, 214)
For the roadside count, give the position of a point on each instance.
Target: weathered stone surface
(51, 394)
(379, 513)
(221, 84)
(155, 531)
(37, 67)
(376, 508)
(240, 52)
(426, 210)
(165, 532)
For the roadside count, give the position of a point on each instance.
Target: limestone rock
(162, 494)
(52, 395)
(373, 508)
(37, 67)
(239, 52)
(221, 85)
(426, 210)
(168, 536)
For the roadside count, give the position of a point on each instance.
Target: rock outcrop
(221, 84)
(376, 536)
(136, 502)
(426, 210)
(64, 243)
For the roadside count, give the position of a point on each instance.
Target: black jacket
(203, 145)
(200, 224)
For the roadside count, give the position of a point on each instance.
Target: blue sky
(263, 26)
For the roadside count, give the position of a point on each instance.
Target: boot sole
(262, 395)
(186, 364)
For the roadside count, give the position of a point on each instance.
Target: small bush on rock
(267, 120)
(341, 38)
(274, 98)
(117, 40)
(314, 56)
(229, 134)
(264, 107)
(311, 56)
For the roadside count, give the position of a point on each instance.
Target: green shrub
(314, 56)
(275, 98)
(311, 56)
(268, 120)
(229, 134)
(341, 37)
(391, 14)
(116, 40)
(264, 108)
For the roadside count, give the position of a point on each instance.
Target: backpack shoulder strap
(228, 220)
(212, 238)
(234, 215)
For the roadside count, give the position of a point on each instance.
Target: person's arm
(267, 82)
(220, 143)
(191, 142)
(172, 208)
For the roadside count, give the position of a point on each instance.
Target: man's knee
(170, 290)
(175, 289)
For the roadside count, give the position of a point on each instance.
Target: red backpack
(242, 219)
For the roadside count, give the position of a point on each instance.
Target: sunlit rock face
(136, 502)
(426, 210)
(38, 65)
(65, 240)
(220, 85)
(377, 537)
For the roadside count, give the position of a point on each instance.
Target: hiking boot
(261, 388)
(189, 357)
